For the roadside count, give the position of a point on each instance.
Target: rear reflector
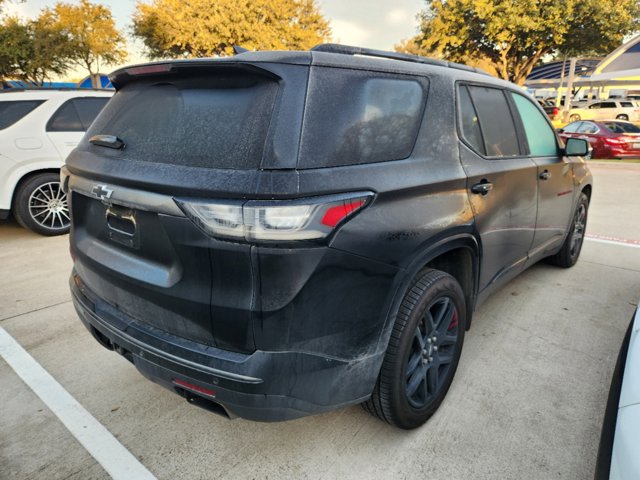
(193, 388)
(274, 220)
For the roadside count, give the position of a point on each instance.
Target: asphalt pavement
(527, 401)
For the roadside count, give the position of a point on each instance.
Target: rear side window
(216, 121)
(470, 123)
(355, 117)
(76, 115)
(496, 122)
(626, 104)
(11, 112)
(540, 136)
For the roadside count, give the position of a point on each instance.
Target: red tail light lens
(614, 141)
(274, 220)
(555, 112)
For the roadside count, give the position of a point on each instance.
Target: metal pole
(568, 95)
(558, 97)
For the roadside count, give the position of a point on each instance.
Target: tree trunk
(95, 80)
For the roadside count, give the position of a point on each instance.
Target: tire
(41, 206)
(570, 251)
(417, 370)
(622, 116)
(574, 118)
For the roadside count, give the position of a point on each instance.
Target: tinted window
(353, 117)
(496, 122)
(588, 127)
(596, 105)
(540, 136)
(88, 109)
(469, 122)
(66, 119)
(11, 112)
(620, 127)
(626, 104)
(217, 121)
(609, 105)
(572, 127)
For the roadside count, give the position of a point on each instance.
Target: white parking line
(94, 437)
(624, 242)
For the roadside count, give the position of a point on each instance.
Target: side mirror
(577, 147)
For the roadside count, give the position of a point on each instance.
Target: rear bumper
(262, 386)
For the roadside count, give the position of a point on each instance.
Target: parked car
(609, 139)
(278, 234)
(38, 129)
(619, 452)
(606, 110)
(549, 107)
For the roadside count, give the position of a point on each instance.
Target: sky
(365, 23)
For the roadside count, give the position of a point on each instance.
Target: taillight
(555, 112)
(312, 218)
(614, 141)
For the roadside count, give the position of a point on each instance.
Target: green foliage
(511, 36)
(92, 32)
(32, 51)
(201, 28)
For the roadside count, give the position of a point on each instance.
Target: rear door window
(89, 108)
(496, 122)
(220, 120)
(76, 114)
(469, 122)
(12, 111)
(588, 127)
(540, 136)
(572, 127)
(354, 117)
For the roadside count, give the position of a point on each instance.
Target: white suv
(38, 129)
(606, 110)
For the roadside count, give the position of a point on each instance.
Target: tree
(511, 36)
(32, 51)
(93, 33)
(201, 28)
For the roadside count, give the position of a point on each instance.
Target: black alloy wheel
(423, 352)
(572, 246)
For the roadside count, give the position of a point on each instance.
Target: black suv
(277, 234)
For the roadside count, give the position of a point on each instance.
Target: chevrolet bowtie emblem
(102, 192)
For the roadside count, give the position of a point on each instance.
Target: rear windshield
(215, 121)
(619, 127)
(355, 117)
(11, 112)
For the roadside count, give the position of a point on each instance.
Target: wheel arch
(26, 177)
(457, 255)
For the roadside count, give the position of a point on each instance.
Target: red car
(609, 138)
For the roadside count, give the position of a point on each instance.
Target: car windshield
(621, 127)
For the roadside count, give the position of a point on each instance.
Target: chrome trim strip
(126, 197)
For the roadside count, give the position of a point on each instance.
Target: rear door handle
(545, 175)
(483, 187)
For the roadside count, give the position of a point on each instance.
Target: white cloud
(349, 33)
(397, 17)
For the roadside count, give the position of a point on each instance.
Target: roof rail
(405, 57)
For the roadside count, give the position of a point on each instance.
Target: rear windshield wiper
(109, 141)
